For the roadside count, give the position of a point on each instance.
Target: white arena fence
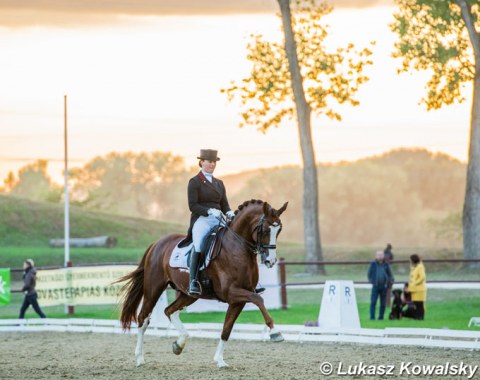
(422, 337)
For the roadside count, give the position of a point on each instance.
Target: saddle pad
(180, 256)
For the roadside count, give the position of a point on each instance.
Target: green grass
(26, 227)
(450, 309)
(33, 224)
(445, 308)
(13, 257)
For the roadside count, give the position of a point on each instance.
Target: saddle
(211, 246)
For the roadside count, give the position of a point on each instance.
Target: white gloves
(216, 213)
(213, 211)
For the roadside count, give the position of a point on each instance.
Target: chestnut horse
(233, 275)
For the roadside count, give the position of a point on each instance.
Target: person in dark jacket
(388, 254)
(207, 200)
(29, 281)
(380, 276)
(388, 257)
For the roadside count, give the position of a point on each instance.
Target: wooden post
(283, 283)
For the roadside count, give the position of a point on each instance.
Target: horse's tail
(134, 292)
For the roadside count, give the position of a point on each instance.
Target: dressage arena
(85, 356)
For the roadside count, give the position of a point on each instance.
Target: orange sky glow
(145, 83)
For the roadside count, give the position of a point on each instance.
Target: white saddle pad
(180, 256)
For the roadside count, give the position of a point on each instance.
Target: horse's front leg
(232, 314)
(275, 335)
(248, 296)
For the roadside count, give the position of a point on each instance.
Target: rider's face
(209, 166)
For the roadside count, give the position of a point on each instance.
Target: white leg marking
(139, 348)
(218, 358)
(275, 335)
(175, 319)
(273, 331)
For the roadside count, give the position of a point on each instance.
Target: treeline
(407, 197)
(410, 197)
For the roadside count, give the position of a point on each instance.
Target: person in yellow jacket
(417, 286)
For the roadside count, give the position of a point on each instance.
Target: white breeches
(201, 228)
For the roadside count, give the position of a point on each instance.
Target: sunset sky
(147, 76)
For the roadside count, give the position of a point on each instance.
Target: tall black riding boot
(194, 287)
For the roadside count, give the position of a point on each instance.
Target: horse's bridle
(261, 248)
(257, 248)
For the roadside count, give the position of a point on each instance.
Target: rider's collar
(208, 176)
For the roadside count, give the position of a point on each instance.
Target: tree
(443, 38)
(135, 184)
(33, 183)
(294, 79)
(9, 182)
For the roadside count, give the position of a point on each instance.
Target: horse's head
(268, 228)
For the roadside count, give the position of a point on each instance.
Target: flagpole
(66, 201)
(66, 239)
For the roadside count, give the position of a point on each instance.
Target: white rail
(424, 337)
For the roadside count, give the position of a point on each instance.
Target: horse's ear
(282, 209)
(266, 208)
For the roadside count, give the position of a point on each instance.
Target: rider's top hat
(209, 155)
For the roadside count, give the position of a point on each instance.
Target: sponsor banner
(81, 285)
(4, 286)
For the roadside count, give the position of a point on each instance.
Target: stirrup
(194, 287)
(259, 290)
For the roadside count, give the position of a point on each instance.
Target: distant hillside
(408, 197)
(27, 223)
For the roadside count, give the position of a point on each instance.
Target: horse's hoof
(140, 362)
(221, 364)
(277, 337)
(177, 350)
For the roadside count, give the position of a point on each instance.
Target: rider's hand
(230, 214)
(215, 212)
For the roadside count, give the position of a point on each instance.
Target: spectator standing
(417, 286)
(29, 282)
(380, 276)
(388, 254)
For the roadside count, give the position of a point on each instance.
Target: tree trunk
(313, 245)
(471, 207)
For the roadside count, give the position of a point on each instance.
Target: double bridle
(257, 247)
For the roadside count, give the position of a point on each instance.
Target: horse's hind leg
(233, 312)
(172, 311)
(143, 322)
(139, 354)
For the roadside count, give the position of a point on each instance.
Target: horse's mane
(248, 203)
